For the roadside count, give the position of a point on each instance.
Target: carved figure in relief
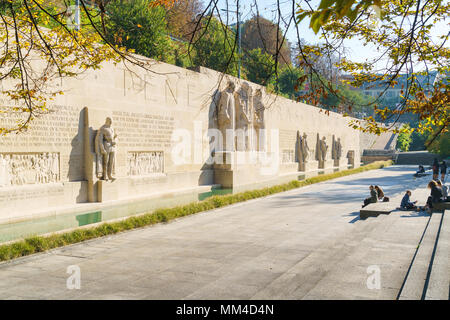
(318, 152)
(105, 149)
(323, 148)
(144, 163)
(55, 168)
(4, 171)
(302, 147)
(226, 115)
(28, 169)
(259, 123)
(244, 118)
(299, 148)
(337, 149)
(7, 178)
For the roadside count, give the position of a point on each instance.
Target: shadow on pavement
(415, 214)
(353, 214)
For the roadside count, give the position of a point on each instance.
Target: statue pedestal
(310, 165)
(351, 158)
(251, 170)
(288, 167)
(336, 163)
(327, 166)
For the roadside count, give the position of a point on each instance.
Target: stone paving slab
(306, 243)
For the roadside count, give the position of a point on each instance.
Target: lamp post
(238, 30)
(77, 15)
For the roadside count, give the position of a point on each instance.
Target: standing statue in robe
(226, 116)
(244, 118)
(259, 124)
(105, 149)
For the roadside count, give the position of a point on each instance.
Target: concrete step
(385, 141)
(376, 209)
(439, 280)
(416, 278)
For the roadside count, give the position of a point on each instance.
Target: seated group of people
(439, 193)
(435, 167)
(376, 194)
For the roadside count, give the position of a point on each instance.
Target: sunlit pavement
(307, 243)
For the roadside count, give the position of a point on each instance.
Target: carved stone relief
(30, 168)
(145, 163)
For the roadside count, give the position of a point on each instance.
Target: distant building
(379, 87)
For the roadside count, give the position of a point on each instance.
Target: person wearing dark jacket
(435, 196)
(420, 172)
(435, 169)
(406, 204)
(443, 170)
(373, 197)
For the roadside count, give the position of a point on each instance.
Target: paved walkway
(303, 244)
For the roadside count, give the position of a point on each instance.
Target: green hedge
(40, 243)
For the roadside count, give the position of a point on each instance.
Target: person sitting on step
(420, 172)
(373, 196)
(406, 204)
(380, 194)
(444, 189)
(435, 196)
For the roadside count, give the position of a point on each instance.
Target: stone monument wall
(161, 119)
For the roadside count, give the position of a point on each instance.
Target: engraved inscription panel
(143, 130)
(288, 138)
(287, 156)
(56, 128)
(29, 168)
(145, 163)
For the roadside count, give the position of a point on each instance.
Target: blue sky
(268, 9)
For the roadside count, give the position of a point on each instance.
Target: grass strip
(37, 244)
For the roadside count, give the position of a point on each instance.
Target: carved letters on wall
(145, 163)
(287, 156)
(29, 168)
